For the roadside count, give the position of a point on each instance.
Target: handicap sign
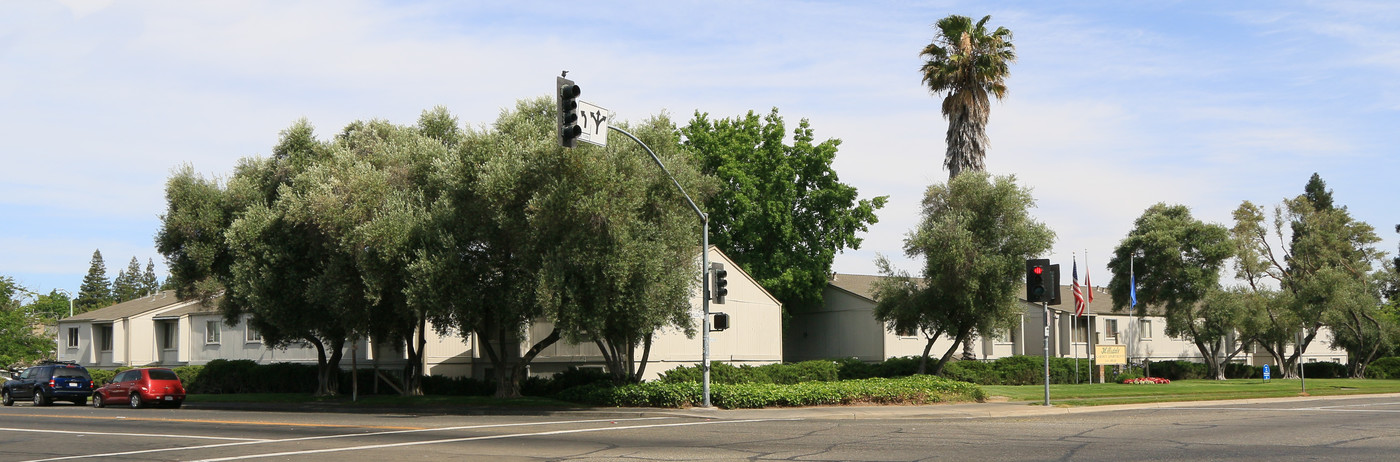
(1266, 372)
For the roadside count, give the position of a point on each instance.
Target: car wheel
(6, 398)
(136, 401)
(97, 400)
(39, 398)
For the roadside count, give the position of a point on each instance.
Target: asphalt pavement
(989, 409)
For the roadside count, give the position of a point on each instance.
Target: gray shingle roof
(127, 308)
(862, 285)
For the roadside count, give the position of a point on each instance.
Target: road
(1353, 428)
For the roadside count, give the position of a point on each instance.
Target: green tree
(19, 342)
(127, 285)
(586, 238)
(1324, 244)
(96, 291)
(1213, 324)
(968, 65)
(149, 283)
(287, 278)
(782, 213)
(49, 307)
(974, 238)
(633, 242)
(1179, 266)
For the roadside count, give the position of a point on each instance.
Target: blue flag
(1132, 289)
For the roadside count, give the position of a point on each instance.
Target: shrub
(1179, 370)
(1242, 371)
(1324, 370)
(458, 386)
(1384, 368)
(560, 381)
(806, 371)
(909, 390)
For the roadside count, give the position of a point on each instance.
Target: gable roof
(734, 267)
(128, 308)
(859, 285)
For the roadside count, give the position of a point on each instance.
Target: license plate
(72, 384)
(170, 398)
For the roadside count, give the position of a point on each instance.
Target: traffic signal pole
(704, 265)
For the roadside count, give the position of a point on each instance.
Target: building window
(104, 338)
(1081, 329)
(250, 334)
(168, 335)
(1145, 328)
(72, 337)
(211, 332)
(1110, 327)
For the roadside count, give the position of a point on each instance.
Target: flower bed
(1147, 381)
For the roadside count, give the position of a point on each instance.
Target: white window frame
(1110, 331)
(1145, 329)
(251, 335)
(72, 337)
(211, 332)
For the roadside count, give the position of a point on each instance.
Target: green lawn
(1188, 390)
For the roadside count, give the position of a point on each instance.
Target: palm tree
(967, 64)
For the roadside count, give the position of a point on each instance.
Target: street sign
(1111, 354)
(1266, 372)
(594, 121)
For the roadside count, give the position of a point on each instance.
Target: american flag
(1079, 303)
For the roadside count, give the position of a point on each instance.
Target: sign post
(1110, 355)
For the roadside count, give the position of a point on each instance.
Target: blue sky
(1113, 106)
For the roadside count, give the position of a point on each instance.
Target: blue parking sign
(1266, 372)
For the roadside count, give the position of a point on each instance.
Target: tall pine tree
(127, 285)
(96, 292)
(149, 283)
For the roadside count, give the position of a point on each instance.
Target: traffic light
(1052, 286)
(1037, 278)
(721, 322)
(568, 127)
(721, 282)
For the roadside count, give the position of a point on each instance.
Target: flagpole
(1089, 325)
(1073, 329)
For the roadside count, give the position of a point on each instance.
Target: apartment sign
(1111, 354)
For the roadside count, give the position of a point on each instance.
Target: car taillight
(51, 384)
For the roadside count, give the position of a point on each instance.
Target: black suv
(48, 382)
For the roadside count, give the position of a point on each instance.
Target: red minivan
(141, 387)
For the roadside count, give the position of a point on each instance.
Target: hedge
(921, 389)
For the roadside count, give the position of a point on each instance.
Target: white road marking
(1289, 409)
(481, 438)
(151, 435)
(308, 438)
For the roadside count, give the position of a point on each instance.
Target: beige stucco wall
(754, 336)
(843, 327)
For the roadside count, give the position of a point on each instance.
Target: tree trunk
(328, 369)
(646, 353)
(962, 336)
